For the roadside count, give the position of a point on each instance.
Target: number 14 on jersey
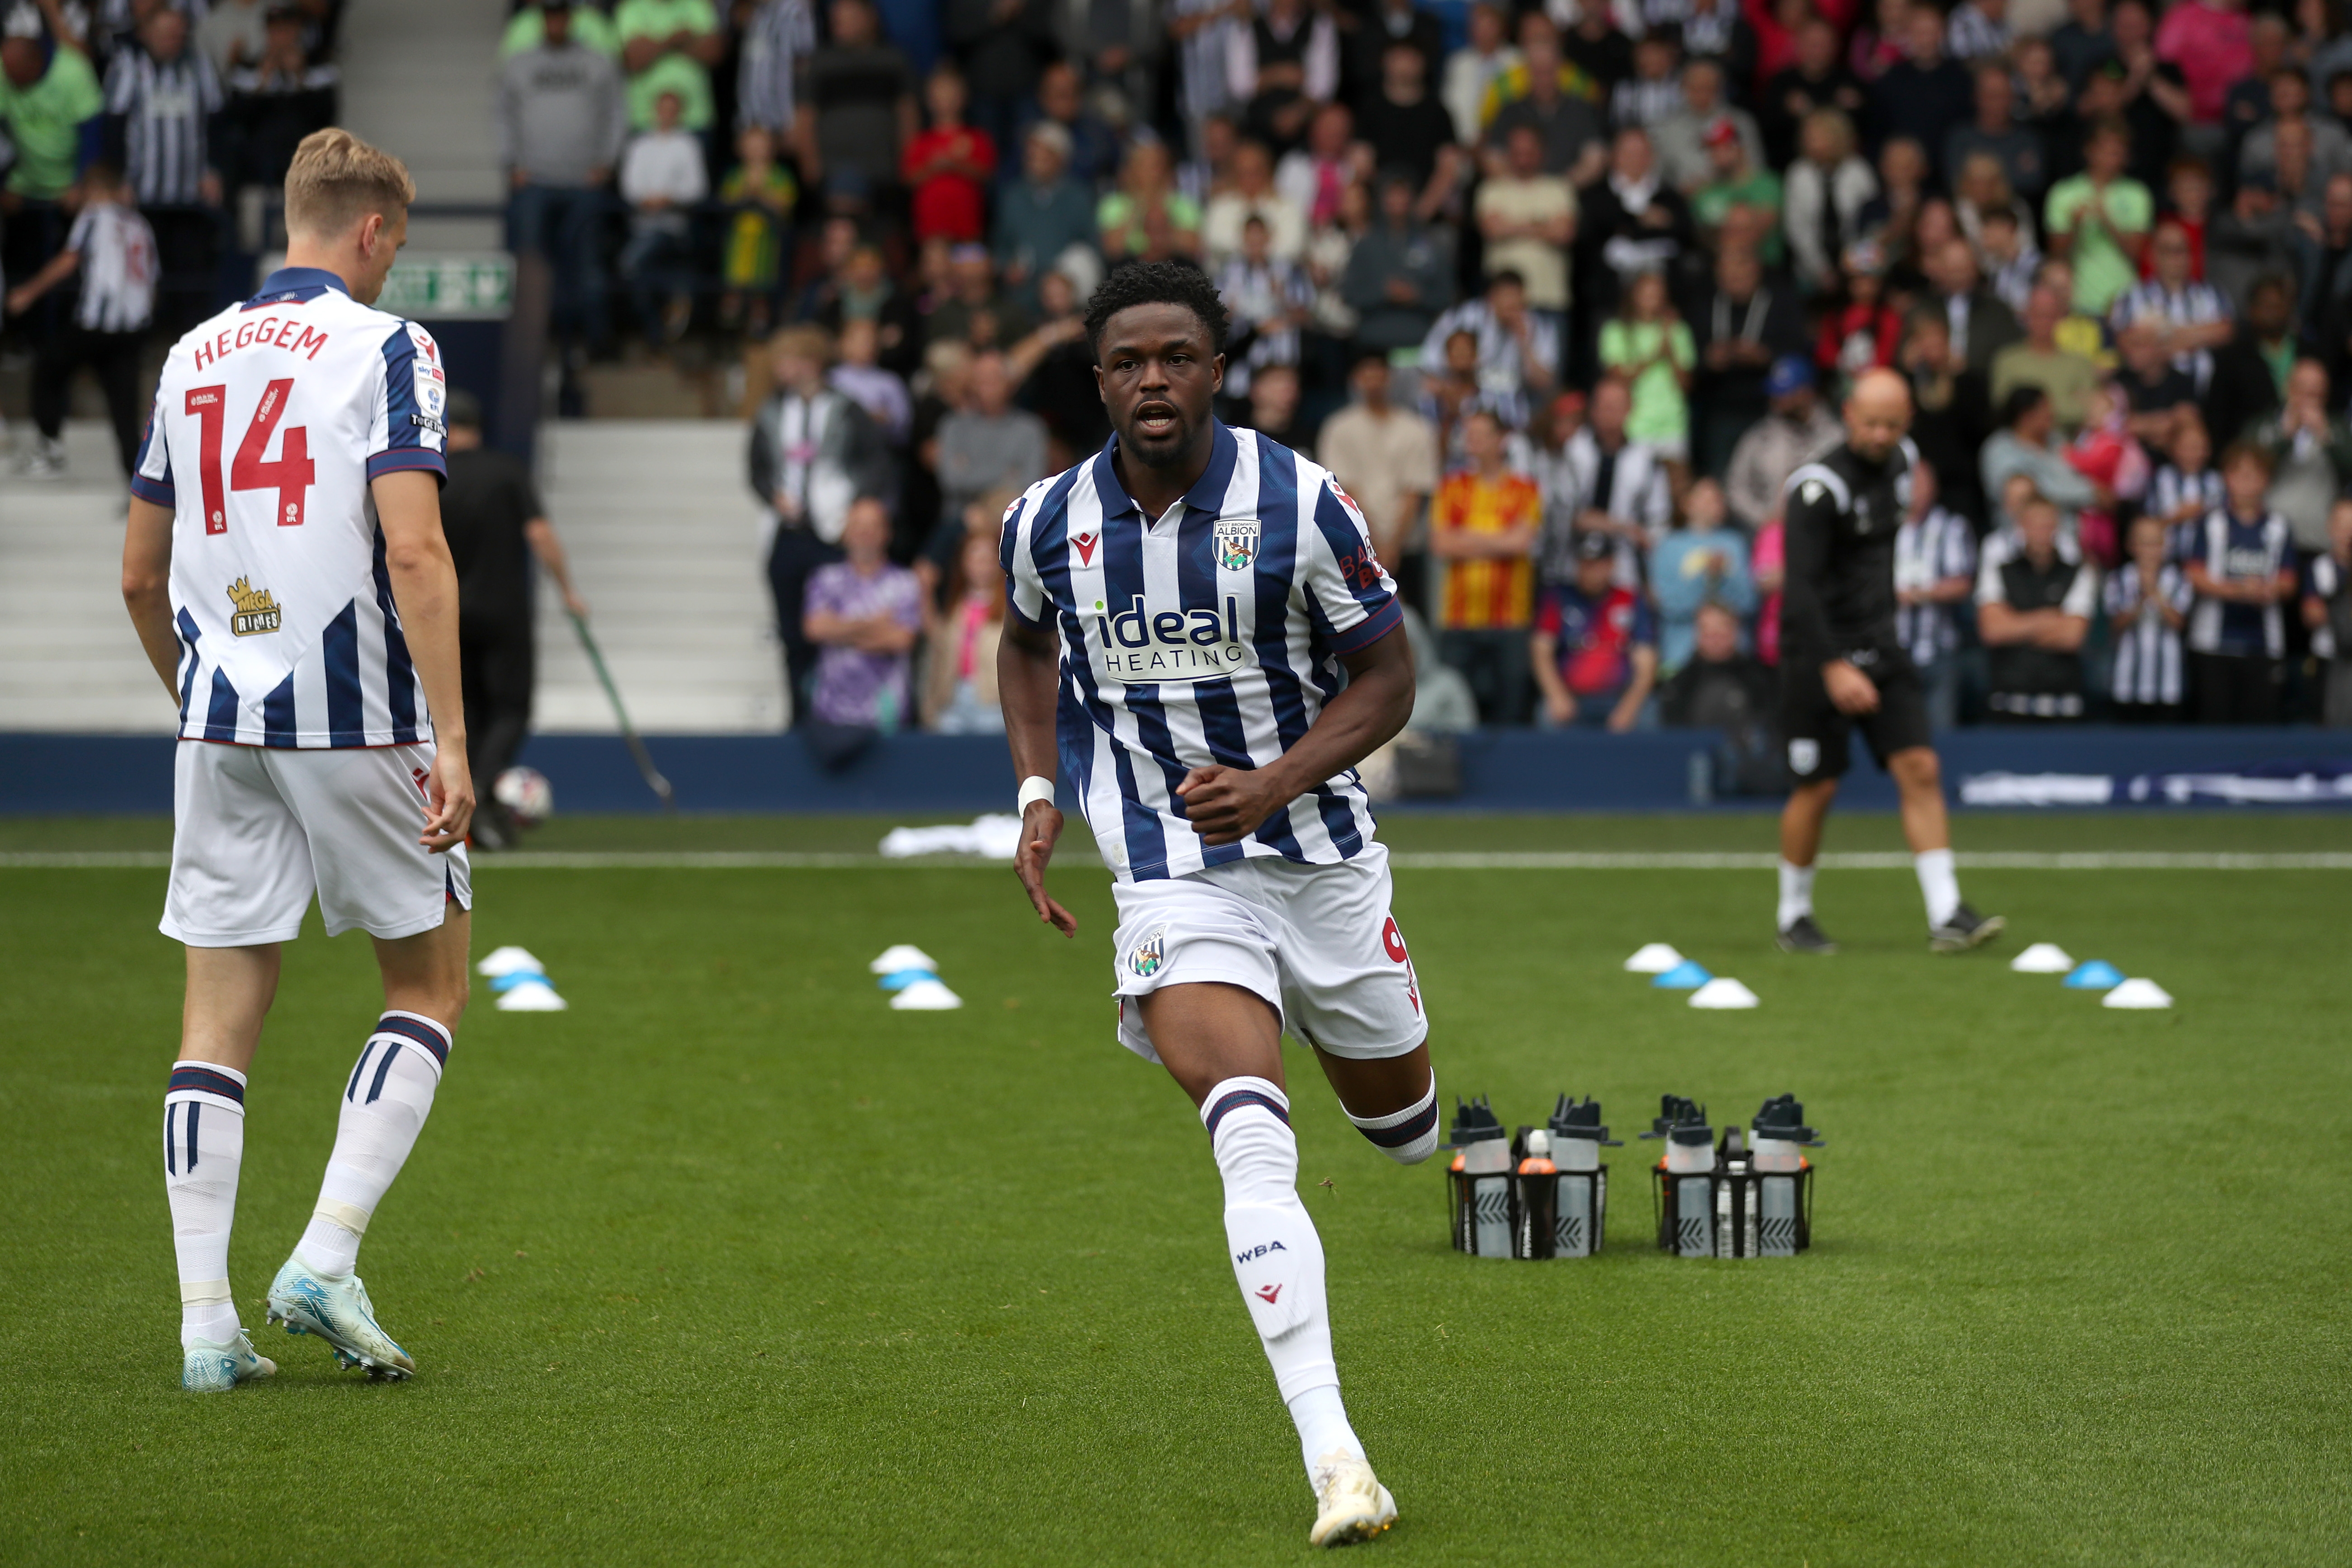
(290, 474)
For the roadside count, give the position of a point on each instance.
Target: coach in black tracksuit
(495, 524)
(1842, 667)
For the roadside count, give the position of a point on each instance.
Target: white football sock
(1938, 884)
(203, 1149)
(1277, 1256)
(1796, 893)
(1407, 1136)
(384, 1107)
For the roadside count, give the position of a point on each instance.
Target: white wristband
(1033, 789)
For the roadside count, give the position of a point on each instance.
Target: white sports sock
(1796, 893)
(1322, 1421)
(203, 1149)
(1938, 884)
(1407, 1136)
(1277, 1256)
(384, 1107)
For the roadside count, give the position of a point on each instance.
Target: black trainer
(1804, 936)
(1964, 930)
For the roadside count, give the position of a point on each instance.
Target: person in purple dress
(864, 612)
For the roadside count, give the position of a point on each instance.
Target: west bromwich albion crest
(1236, 543)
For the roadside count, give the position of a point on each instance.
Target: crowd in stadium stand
(1561, 291)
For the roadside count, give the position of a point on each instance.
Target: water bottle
(1482, 1181)
(1784, 1227)
(1684, 1177)
(1580, 1202)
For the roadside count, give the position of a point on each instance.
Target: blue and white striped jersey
(270, 421)
(1209, 635)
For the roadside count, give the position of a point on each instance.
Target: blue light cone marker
(899, 980)
(514, 977)
(2097, 975)
(1687, 976)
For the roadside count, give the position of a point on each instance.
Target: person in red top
(949, 166)
(1864, 334)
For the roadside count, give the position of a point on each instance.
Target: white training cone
(2042, 958)
(1654, 958)
(508, 961)
(2137, 993)
(926, 996)
(532, 996)
(903, 956)
(1723, 992)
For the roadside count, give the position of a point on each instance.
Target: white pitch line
(1518, 860)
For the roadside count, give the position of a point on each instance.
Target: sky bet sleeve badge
(1236, 543)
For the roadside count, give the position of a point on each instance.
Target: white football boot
(337, 1309)
(208, 1367)
(1351, 1503)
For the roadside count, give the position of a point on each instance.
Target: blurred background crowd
(1560, 292)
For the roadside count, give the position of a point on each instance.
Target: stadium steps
(420, 79)
(664, 540)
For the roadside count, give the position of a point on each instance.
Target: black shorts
(1817, 734)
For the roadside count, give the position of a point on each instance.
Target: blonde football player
(285, 568)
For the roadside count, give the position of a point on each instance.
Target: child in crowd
(1651, 348)
(959, 660)
(2188, 197)
(2328, 610)
(1703, 562)
(2148, 604)
(2104, 453)
(1595, 650)
(1269, 299)
(2242, 569)
(866, 383)
(2008, 256)
(761, 193)
(1866, 332)
(947, 167)
(113, 252)
(662, 176)
(2184, 488)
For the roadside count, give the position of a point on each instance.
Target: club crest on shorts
(1804, 756)
(1148, 954)
(1236, 543)
(255, 613)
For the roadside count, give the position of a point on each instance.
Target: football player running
(1843, 668)
(285, 568)
(1200, 635)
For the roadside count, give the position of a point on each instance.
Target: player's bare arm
(424, 588)
(1226, 805)
(1028, 676)
(147, 588)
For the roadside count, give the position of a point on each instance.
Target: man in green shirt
(1738, 184)
(590, 27)
(2099, 218)
(44, 103)
(669, 46)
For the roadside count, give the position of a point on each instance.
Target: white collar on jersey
(1207, 494)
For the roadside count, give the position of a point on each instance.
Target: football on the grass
(527, 794)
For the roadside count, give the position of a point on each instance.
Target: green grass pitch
(731, 1263)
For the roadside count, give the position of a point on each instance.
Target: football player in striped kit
(285, 568)
(1201, 638)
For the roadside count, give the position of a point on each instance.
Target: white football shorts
(257, 830)
(1316, 942)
